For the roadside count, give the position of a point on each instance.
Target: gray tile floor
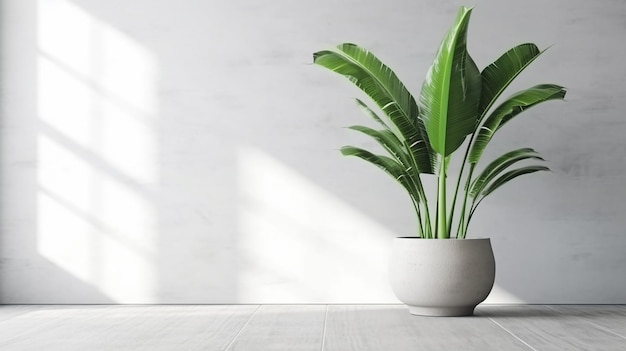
(309, 327)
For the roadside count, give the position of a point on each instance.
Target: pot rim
(417, 237)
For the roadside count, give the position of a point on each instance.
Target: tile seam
(324, 329)
(512, 334)
(243, 327)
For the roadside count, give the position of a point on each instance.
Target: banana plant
(458, 105)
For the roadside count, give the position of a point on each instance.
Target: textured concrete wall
(186, 151)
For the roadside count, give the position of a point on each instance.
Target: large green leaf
(382, 85)
(499, 165)
(510, 108)
(383, 76)
(451, 90)
(497, 76)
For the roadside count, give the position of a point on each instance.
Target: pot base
(441, 311)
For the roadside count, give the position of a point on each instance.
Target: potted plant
(458, 109)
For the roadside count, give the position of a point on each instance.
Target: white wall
(158, 151)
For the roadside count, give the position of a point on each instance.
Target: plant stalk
(427, 224)
(456, 189)
(417, 181)
(472, 209)
(442, 224)
(420, 226)
(463, 225)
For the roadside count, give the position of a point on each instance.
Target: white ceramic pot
(442, 277)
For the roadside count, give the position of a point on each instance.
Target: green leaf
(451, 91)
(375, 117)
(499, 165)
(510, 108)
(388, 141)
(387, 164)
(510, 176)
(382, 85)
(528, 98)
(497, 76)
